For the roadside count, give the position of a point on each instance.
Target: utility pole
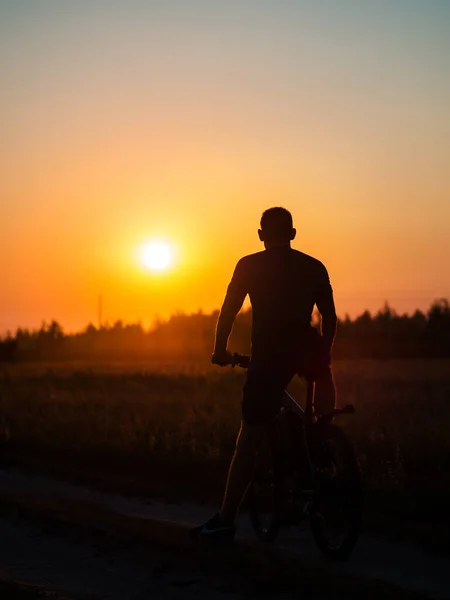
(100, 306)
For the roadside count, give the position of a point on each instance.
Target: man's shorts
(270, 372)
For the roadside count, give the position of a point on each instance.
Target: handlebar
(241, 360)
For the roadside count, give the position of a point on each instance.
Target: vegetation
(148, 404)
(166, 428)
(384, 335)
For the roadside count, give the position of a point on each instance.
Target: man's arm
(325, 304)
(236, 292)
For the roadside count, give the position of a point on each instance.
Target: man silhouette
(284, 285)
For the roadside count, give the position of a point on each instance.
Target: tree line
(190, 337)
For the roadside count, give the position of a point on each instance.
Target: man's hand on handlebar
(222, 358)
(225, 358)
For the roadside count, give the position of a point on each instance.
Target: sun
(156, 256)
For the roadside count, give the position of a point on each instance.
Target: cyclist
(284, 285)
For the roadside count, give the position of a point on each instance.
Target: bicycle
(317, 479)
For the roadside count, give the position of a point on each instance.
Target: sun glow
(156, 256)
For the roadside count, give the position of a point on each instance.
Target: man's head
(276, 227)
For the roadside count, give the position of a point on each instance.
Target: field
(168, 428)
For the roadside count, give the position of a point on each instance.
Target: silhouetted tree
(190, 338)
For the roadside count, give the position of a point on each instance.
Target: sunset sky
(127, 122)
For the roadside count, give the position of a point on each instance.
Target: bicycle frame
(306, 414)
(307, 417)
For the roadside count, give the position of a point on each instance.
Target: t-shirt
(284, 285)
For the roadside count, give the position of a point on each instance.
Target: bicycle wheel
(335, 514)
(264, 492)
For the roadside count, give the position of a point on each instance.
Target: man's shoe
(214, 529)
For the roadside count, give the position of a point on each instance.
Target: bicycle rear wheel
(335, 514)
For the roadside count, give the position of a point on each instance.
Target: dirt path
(85, 566)
(89, 567)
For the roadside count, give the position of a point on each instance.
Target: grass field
(169, 424)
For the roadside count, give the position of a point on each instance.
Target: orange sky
(121, 124)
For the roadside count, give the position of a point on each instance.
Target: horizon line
(178, 313)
